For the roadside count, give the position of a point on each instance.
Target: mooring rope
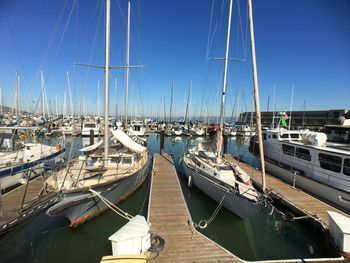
(112, 206)
(202, 224)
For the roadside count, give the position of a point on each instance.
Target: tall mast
(188, 100)
(290, 111)
(273, 107)
(164, 104)
(108, 13)
(172, 99)
(256, 94)
(127, 65)
(70, 97)
(0, 100)
(116, 99)
(42, 94)
(17, 94)
(222, 107)
(98, 99)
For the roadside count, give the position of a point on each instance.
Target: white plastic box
(132, 239)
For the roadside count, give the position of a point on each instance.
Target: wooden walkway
(168, 217)
(294, 197)
(12, 200)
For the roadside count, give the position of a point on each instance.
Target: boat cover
(91, 147)
(124, 139)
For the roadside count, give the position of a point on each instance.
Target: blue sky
(304, 43)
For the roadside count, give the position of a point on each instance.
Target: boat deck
(168, 217)
(293, 197)
(12, 200)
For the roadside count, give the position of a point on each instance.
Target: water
(45, 239)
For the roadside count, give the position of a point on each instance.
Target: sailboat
(215, 175)
(93, 181)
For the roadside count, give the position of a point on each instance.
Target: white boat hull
(330, 194)
(238, 205)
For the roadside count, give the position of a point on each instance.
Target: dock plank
(12, 200)
(168, 217)
(299, 199)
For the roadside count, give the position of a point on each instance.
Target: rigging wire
(17, 50)
(93, 47)
(42, 61)
(57, 49)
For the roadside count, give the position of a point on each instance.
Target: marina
(137, 132)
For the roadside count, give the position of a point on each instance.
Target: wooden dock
(12, 200)
(293, 197)
(169, 218)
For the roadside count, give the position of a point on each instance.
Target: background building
(316, 119)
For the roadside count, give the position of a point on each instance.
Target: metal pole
(256, 94)
(17, 95)
(108, 7)
(127, 66)
(222, 108)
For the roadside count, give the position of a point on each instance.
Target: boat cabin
(9, 142)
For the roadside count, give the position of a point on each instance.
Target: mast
(222, 108)
(0, 100)
(256, 94)
(17, 94)
(304, 106)
(127, 65)
(273, 107)
(98, 99)
(116, 99)
(164, 104)
(70, 97)
(188, 100)
(42, 94)
(172, 100)
(106, 101)
(290, 111)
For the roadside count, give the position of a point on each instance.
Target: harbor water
(263, 237)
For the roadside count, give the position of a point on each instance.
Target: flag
(283, 122)
(285, 116)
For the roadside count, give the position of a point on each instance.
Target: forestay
(124, 139)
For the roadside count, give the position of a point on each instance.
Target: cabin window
(90, 125)
(115, 159)
(303, 154)
(127, 160)
(294, 136)
(269, 136)
(264, 136)
(274, 136)
(284, 136)
(330, 162)
(346, 169)
(288, 150)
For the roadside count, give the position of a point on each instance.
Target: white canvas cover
(91, 147)
(124, 139)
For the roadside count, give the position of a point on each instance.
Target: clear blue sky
(304, 43)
